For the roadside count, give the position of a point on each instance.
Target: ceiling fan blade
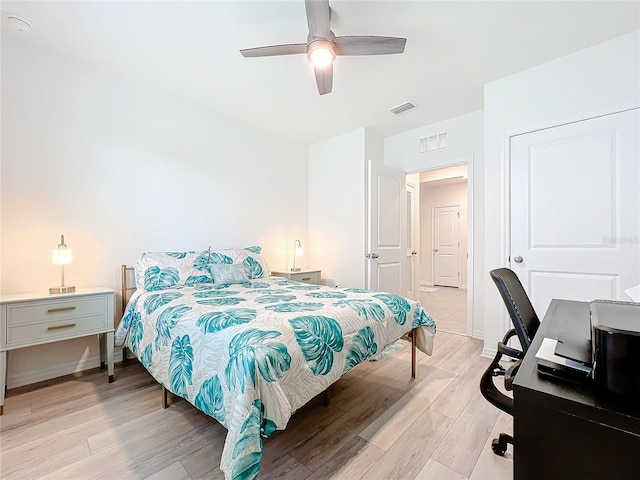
(369, 45)
(273, 50)
(318, 18)
(324, 78)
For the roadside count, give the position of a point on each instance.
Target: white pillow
(228, 273)
(159, 270)
(250, 257)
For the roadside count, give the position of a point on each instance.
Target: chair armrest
(509, 351)
(510, 374)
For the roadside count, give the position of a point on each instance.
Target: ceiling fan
(323, 46)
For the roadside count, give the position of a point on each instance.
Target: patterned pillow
(250, 257)
(228, 273)
(160, 270)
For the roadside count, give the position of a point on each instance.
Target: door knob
(518, 259)
(414, 253)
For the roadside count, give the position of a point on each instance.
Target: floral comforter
(251, 354)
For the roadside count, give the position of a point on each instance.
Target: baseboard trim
(478, 334)
(488, 352)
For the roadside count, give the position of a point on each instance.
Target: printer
(615, 346)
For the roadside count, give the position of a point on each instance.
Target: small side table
(31, 319)
(306, 276)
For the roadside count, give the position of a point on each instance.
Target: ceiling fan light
(321, 53)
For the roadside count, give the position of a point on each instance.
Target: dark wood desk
(569, 431)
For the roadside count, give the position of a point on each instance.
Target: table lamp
(61, 256)
(298, 252)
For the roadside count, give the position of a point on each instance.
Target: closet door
(575, 209)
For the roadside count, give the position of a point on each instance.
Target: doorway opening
(443, 234)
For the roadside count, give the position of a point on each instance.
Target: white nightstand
(307, 276)
(34, 319)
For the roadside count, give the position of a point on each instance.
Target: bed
(249, 349)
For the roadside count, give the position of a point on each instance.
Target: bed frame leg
(413, 353)
(165, 398)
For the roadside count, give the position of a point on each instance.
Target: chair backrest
(523, 316)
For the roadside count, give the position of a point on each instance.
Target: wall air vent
(403, 108)
(438, 141)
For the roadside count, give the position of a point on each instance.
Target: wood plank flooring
(380, 424)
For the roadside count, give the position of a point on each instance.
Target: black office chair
(525, 324)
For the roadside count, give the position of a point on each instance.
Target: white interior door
(412, 259)
(412, 192)
(446, 246)
(575, 209)
(386, 250)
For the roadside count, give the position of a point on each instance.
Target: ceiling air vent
(403, 108)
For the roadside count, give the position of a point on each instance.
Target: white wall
(120, 169)
(435, 196)
(595, 81)
(337, 209)
(402, 151)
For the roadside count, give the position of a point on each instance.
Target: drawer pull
(306, 278)
(62, 309)
(58, 327)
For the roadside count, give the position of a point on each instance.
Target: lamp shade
(297, 252)
(61, 256)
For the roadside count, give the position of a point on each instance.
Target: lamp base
(62, 289)
(296, 269)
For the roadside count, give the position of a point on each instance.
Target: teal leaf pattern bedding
(319, 338)
(247, 453)
(220, 258)
(221, 301)
(249, 352)
(326, 295)
(397, 304)
(178, 255)
(156, 278)
(365, 308)
(194, 279)
(254, 269)
(210, 398)
(295, 307)
(157, 300)
(215, 293)
(201, 263)
(364, 346)
(166, 321)
(275, 298)
(213, 322)
(243, 358)
(180, 365)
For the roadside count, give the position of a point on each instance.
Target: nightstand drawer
(54, 330)
(307, 277)
(56, 310)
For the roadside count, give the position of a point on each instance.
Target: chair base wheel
(499, 445)
(498, 448)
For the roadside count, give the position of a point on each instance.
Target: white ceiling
(190, 49)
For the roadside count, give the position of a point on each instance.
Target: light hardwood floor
(380, 424)
(448, 305)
